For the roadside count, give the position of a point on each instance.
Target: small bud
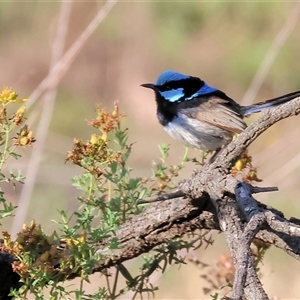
(239, 165)
(50, 239)
(24, 141)
(24, 131)
(104, 137)
(94, 139)
(114, 114)
(21, 111)
(38, 230)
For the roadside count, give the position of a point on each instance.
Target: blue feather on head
(170, 75)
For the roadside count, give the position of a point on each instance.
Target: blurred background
(249, 50)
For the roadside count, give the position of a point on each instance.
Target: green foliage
(108, 193)
(108, 199)
(195, 30)
(12, 135)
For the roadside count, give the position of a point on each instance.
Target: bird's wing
(215, 112)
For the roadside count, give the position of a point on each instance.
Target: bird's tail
(255, 108)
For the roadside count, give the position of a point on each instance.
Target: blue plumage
(201, 116)
(178, 94)
(172, 87)
(173, 95)
(168, 76)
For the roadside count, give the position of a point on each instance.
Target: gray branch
(244, 261)
(213, 184)
(210, 203)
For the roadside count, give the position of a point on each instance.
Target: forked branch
(207, 200)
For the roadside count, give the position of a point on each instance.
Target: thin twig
(275, 48)
(230, 153)
(59, 66)
(46, 116)
(62, 66)
(266, 189)
(162, 197)
(279, 224)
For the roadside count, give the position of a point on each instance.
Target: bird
(199, 115)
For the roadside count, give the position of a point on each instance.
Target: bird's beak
(148, 85)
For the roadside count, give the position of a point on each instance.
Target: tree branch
(210, 203)
(245, 262)
(213, 180)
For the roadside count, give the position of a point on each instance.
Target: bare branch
(44, 122)
(59, 66)
(258, 189)
(210, 203)
(275, 48)
(244, 260)
(272, 116)
(62, 66)
(161, 197)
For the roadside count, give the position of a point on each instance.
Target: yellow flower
(75, 241)
(7, 95)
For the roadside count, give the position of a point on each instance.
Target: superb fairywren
(201, 116)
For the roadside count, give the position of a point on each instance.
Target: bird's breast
(196, 134)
